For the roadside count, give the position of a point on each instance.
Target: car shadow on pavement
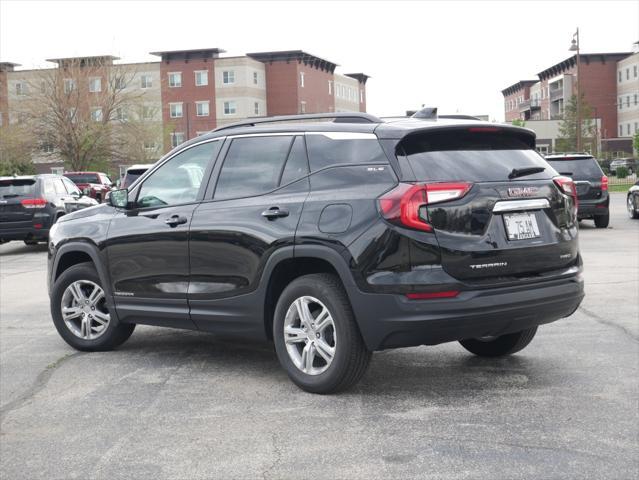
(21, 249)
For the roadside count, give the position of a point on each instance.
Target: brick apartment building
(189, 92)
(541, 101)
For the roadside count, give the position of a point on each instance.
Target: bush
(622, 172)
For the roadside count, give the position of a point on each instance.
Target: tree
(519, 122)
(635, 143)
(567, 140)
(16, 147)
(73, 108)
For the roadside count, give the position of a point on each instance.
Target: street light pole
(575, 47)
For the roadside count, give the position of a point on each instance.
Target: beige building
(348, 94)
(628, 94)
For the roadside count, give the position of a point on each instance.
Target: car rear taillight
(567, 186)
(604, 183)
(402, 204)
(34, 203)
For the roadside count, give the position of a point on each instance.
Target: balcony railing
(557, 94)
(530, 104)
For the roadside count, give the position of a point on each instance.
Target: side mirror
(119, 198)
(76, 194)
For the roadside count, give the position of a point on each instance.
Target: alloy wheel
(84, 309)
(309, 335)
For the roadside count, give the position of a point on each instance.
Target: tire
(349, 359)
(602, 221)
(500, 346)
(101, 335)
(632, 207)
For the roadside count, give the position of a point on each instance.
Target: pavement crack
(603, 321)
(39, 384)
(276, 461)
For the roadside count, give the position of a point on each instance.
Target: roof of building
(294, 55)
(8, 66)
(91, 58)
(360, 77)
(520, 85)
(584, 58)
(186, 54)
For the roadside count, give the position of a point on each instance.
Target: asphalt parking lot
(185, 405)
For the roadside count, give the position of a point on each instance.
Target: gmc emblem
(522, 191)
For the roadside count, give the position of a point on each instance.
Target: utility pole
(575, 47)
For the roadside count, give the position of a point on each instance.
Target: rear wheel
(602, 221)
(632, 207)
(316, 338)
(80, 313)
(499, 346)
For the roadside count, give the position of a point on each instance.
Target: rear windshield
(83, 177)
(475, 157)
(17, 188)
(131, 176)
(578, 169)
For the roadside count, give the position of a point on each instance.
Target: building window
(627, 73)
(230, 108)
(47, 148)
(146, 81)
(201, 78)
(301, 79)
(228, 77)
(120, 84)
(254, 78)
(177, 138)
(175, 79)
(628, 129)
(72, 114)
(330, 88)
(121, 114)
(96, 114)
(621, 130)
(620, 103)
(21, 89)
(202, 108)
(635, 70)
(635, 99)
(150, 145)
(57, 170)
(302, 107)
(619, 75)
(627, 100)
(148, 112)
(361, 96)
(95, 85)
(256, 108)
(69, 85)
(175, 110)
(636, 127)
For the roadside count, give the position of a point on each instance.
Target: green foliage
(622, 172)
(567, 141)
(518, 122)
(635, 143)
(16, 168)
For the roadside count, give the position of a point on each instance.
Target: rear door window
(252, 166)
(578, 169)
(343, 148)
(60, 191)
(463, 155)
(16, 187)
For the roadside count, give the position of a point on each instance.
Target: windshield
(578, 169)
(83, 177)
(17, 188)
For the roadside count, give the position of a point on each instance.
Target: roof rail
(338, 117)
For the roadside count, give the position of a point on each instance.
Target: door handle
(275, 212)
(175, 220)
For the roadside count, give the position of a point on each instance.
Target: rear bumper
(390, 321)
(26, 229)
(591, 208)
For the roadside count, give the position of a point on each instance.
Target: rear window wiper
(522, 172)
(568, 174)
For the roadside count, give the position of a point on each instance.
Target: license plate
(521, 226)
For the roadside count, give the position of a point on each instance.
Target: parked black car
(591, 183)
(29, 205)
(332, 239)
(632, 201)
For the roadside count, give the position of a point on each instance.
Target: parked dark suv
(591, 183)
(29, 205)
(332, 239)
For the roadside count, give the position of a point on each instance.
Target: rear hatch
(492, 202)
(15, 193)
(585, 172)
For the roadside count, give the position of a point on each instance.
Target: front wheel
(632, 208)
(316, 338)
(499, 346)
(602, 221)
(80, 313)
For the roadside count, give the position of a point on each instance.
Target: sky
(454, 55)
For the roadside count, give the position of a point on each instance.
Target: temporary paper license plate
(521, 226)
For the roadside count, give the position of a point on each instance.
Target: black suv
(591, 183)
(30, 204)
(332, 239)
